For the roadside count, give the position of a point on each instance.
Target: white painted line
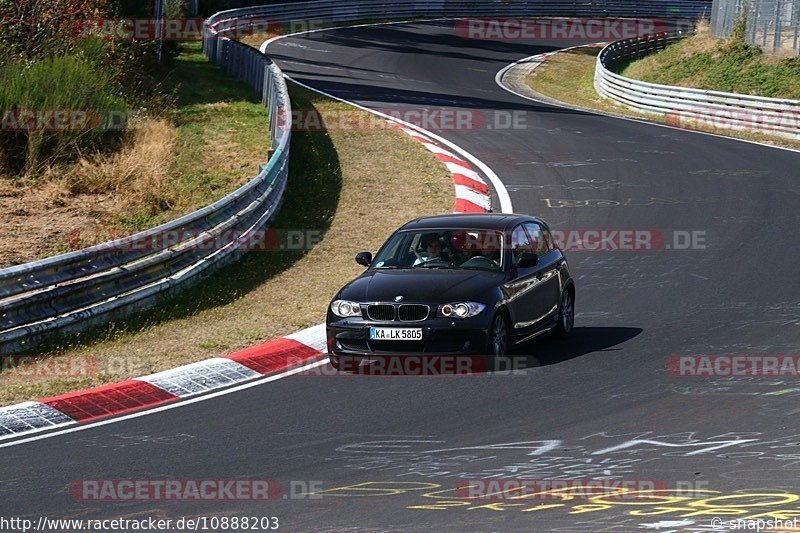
(203, 376)
(465, 193)
(169, 406)
(464, 171)
(502, 72)
(505, 200)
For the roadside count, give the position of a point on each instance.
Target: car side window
(540, 244)
(520, 242)
(551, 242)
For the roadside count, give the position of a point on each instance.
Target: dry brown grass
(386, 179)
(38, 221)
(704, 40)
(138, 172)
(81, 204)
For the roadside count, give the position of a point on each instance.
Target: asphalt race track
(389, 452)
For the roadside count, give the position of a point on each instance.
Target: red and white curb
(472, 191)
(273, 357)
(146, 392)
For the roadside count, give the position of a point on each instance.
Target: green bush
(70, 83)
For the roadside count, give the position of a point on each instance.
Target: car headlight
(460, 309)
(344, 309)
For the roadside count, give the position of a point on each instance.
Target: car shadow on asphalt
(536, 353)
(583, 341)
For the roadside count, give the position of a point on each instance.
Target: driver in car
(434, 247)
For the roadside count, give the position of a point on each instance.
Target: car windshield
(471, 249)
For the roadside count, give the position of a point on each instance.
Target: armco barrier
(350, 10)
(689, 107)
(92, 286)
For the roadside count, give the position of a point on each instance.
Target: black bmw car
(461, 284)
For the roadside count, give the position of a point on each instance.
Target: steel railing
(350, 10)
(688, 107)
(94, 285)
(108, 281)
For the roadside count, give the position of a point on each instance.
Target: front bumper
(440, 336)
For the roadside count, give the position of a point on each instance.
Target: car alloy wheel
(566, 315)
(499, 335)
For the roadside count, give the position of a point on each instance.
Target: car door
(524, 304)
(547, 289)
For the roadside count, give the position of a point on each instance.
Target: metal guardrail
(686, 106)
(351, 10)
(92, 286)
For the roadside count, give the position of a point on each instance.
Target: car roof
(498, 221)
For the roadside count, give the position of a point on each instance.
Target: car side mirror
(364, 258)
(527, 260)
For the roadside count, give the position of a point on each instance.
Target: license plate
(395, 334)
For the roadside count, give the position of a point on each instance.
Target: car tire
(566, 315)
(335, 363)
(497, 344)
